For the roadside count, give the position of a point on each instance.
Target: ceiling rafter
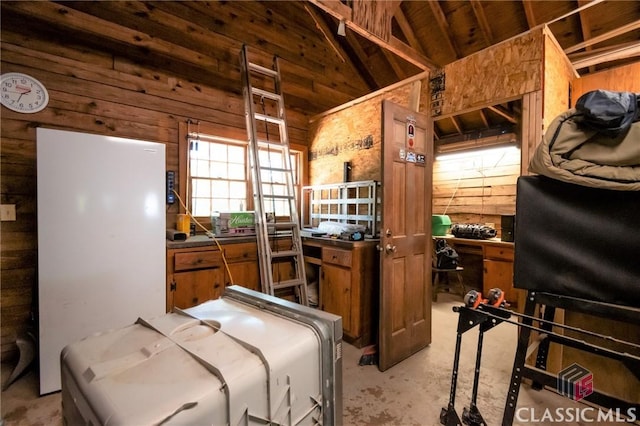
(363, 58)
(407, 30)
(605, 54)
(603, 37)
(456, 124)
(326, 32)
(503, 113)
(483, 116)
(395, 45)
(393, 61)
(528, 11)
(485, 28)
(441, 20)
(585, 26)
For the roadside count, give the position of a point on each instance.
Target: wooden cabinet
(498, 271)
(349, 287)
(198, 274)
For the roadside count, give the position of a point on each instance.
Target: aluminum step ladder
(277, 221)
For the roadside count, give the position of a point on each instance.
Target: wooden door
(336, 294)
(405, 235)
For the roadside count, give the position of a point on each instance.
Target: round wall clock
(22, 93)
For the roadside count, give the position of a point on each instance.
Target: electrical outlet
(7, 212)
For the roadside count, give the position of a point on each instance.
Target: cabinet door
(245, 274)
(336, 294)
(195, 287)
(499, 273)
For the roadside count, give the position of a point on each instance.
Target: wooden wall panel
(624, 78)
(558, 74)
(351, 135)
(503, 71)
(476, 188)
(91, 92)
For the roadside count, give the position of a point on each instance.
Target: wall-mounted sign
(411, 131)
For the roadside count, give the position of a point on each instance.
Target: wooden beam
(483, 116)
(574, 11)
(456, 124)
(586, 27)
(476, 5)
(396, 46)
(529, 13)
(327, 32)
(363, 58)
(407, 30)
(393, 61)
(375, 16)
(501, 112)
(606, 36)
(441, 20)
(605, 54)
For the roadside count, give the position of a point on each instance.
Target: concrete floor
(410, 393)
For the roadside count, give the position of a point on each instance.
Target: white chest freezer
(246, 358)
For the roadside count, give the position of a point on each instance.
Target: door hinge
(172, 286)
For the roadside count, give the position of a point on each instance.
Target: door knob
(389, 248)
(379, 247)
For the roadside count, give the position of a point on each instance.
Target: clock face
(22, 93)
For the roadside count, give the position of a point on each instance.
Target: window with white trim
(219, 177)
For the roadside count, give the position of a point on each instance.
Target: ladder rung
(285, 253)
(282, 225)
(263, 70)
(288, 283)
(268, 118)
(271, 142)
(275, 169)
(266, 94)
(278, 197)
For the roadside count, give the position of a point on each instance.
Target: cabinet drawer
(240, 252)
(197, 260)
(501, 253)
(336, 256)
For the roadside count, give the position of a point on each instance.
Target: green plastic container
(440, 224)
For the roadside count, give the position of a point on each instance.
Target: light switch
(7, 212)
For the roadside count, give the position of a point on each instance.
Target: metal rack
(348, 202)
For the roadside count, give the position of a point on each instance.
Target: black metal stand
(487, 316)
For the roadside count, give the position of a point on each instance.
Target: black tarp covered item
(608, 112)
(577, 241)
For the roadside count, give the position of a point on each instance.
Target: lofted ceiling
(383, 42)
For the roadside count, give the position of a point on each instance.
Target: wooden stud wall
(97, 93)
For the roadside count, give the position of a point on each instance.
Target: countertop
(203, 241)
(477, 242)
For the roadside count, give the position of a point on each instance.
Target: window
(218, 176)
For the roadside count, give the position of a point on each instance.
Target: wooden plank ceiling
(383, 42)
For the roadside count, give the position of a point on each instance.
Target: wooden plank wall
(623, 78)
(92, 92)
(476, 188)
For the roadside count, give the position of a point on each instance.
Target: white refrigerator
(101, 238)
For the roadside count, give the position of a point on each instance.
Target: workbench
(488, 264)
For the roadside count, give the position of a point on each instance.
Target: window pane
(236, 154)
(219, 170)
(236, 171)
